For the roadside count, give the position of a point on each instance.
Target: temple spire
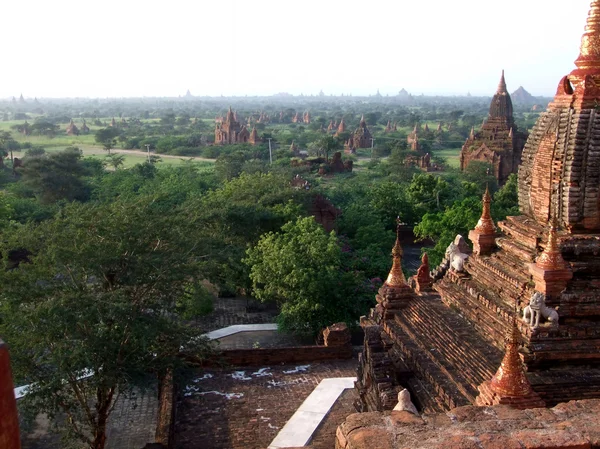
(502, 84)
(510, 379)
(551, 258)
(510, 385)
(485, 225)
(589, 55)
(396, 277)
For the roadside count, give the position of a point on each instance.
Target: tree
(442, 227)
(428, 192)
(56, 176)
(301, 268)
(7, 143)
(97, 296)
(107, 137)
(115, 160)
(326, 145)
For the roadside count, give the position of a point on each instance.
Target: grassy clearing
(452, 156)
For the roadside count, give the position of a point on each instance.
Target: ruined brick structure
(84, 128)
(349, 147)
(325, 212)
(229, 131)
(534, 278)
(362, 135)
(72, 129)
(413, 138)
(254, 139)
(499, 142)
(341, 127)
(9, 421)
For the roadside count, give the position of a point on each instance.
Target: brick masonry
(574, 425)
(258, 405)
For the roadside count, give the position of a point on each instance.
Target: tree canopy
(96, 295)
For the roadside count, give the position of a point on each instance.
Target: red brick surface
(258, 406)
(572, 425)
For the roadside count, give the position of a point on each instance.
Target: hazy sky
(126, 48)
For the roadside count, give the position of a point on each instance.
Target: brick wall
(574, 425)
(165, 423)
(262, 356)
(9, 422)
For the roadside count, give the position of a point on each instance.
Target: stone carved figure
(537, 309)
(404, 403)
(455, 254)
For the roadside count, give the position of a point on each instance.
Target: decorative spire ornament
(396, 277)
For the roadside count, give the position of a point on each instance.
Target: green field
(87, 144)
(452, 157)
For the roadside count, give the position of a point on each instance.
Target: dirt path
(166, 156)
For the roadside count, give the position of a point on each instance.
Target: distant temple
(499, 142)
(413, 138)
(229, 131)
(362, 135)
(254, 139)
(72, 130)
(341, 127)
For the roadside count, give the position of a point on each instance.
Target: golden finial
(551, 258)
(396, 277)
(485, 225)
(589, 56)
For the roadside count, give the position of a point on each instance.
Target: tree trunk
(103, 409)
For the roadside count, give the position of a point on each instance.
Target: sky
(135, 48)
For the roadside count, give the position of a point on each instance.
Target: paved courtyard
(246, 408)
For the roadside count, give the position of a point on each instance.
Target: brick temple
(499, 142)
(229, 131)
(516, 319)
(362, 136)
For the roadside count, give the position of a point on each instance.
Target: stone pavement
(246, 408)
(260, 339)
(131, 425)
(232, 311)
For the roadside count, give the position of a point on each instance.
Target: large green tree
(95, 292)
(56, 176)
(302, 269)
(107, 137)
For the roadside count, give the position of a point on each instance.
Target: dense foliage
(107, 261)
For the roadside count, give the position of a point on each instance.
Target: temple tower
(499, 143)
(362, 135)
(561, 161)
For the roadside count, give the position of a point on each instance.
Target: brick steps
(567, 384)
(501, 275)
(515, 249)
(429, 373)
(432, 333)
(452, 336)
(425, 397)
(486, 313)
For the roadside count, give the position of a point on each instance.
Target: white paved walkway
(230, 330)
(300, 427)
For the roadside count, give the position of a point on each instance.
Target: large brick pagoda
(229, 131)
(499, 142)
(534, 277)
